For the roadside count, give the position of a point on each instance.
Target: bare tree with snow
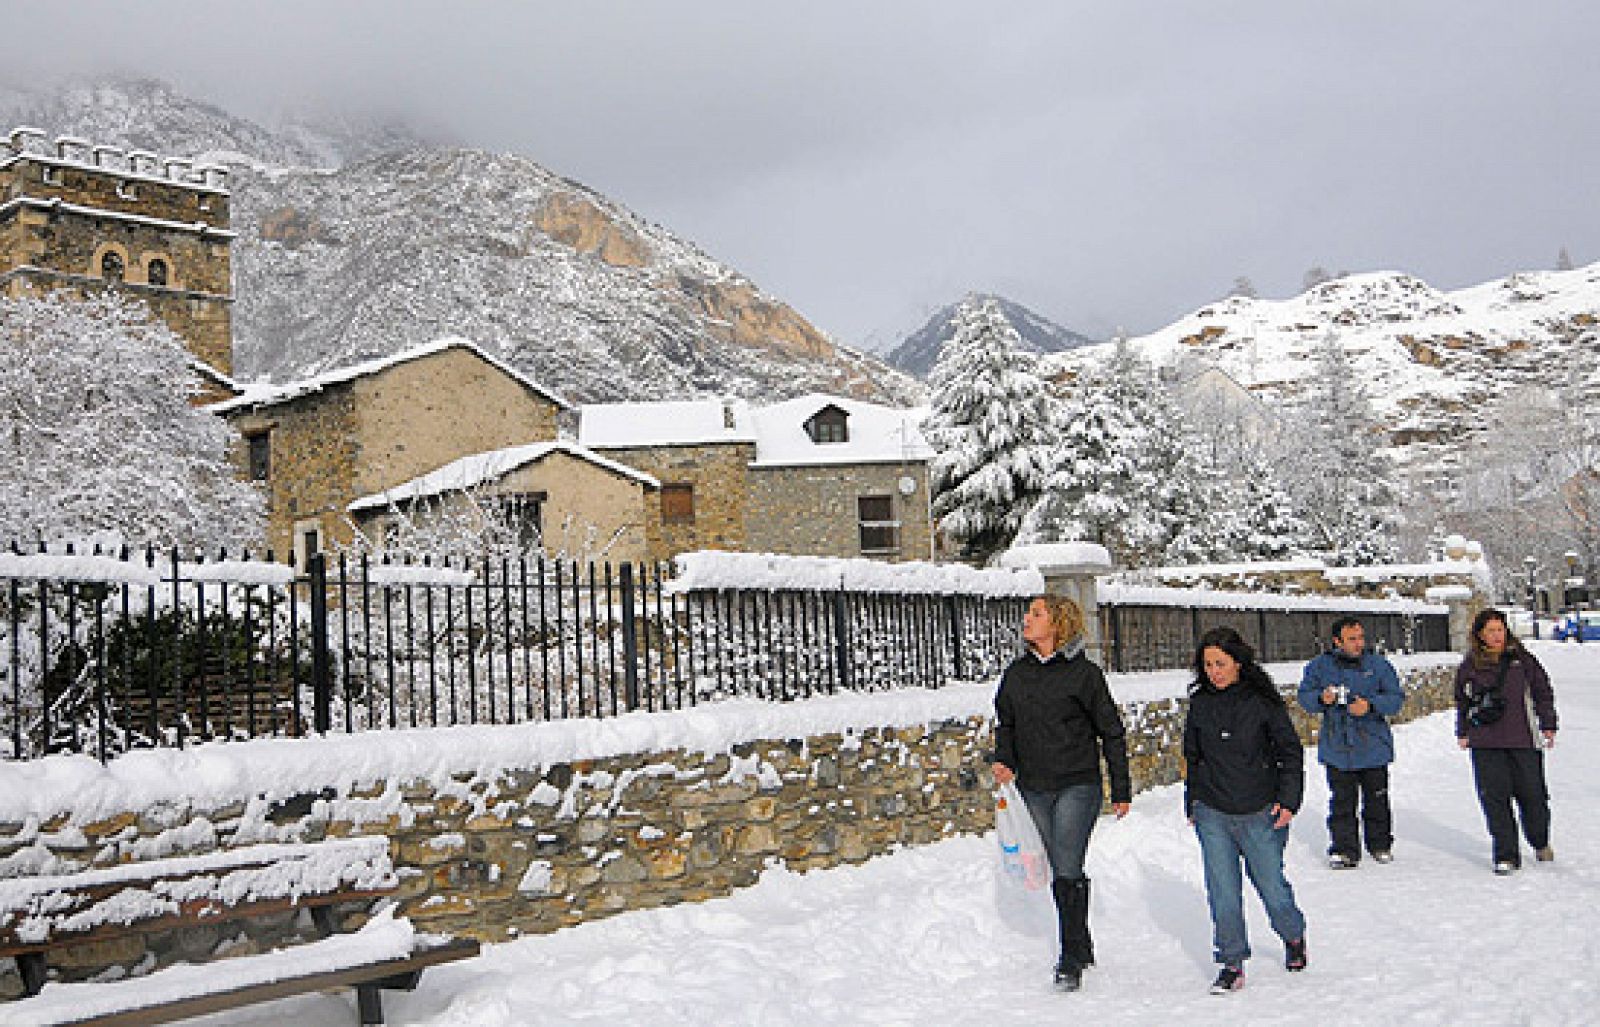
(99, 435)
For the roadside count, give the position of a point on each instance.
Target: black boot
(1069, 972)
(1079, 944)
(1072, 914)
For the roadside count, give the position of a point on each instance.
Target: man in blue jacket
(1355, 692)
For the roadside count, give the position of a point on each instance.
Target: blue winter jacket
(1348, 742)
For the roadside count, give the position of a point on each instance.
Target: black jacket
(1055, 718)
(1241, 752)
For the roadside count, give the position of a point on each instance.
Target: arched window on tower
(112, 267)
(156, 273)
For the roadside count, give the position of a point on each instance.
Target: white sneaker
(1504, 868)
(1384, 856)
(1339, 861)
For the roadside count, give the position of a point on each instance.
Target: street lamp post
(1532, 566)
(1575, 584)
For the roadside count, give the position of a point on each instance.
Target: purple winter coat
(1528, 695)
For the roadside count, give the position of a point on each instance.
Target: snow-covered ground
(929, 936)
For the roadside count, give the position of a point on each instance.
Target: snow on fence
(102, 653)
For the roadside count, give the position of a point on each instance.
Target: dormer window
(156, 273)
(112, 267)
(828, 425)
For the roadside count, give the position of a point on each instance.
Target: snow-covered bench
(41, 915)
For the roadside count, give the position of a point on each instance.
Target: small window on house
(308, 544)
(50, 175)
(523, 514)
(112, 267)
(156, 273)
(127, 190)
(677, 504)
(880, 531)
(260, 455)
(828, 425)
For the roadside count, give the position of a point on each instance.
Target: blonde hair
(1066, 617)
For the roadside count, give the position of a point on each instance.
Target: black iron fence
(102, 653)
(1148, 637)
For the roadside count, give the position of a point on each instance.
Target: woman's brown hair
(1475, 647)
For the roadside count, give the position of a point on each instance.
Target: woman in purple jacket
(1506, 716)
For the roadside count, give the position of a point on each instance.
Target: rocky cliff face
(362, 241)
(1434, 364)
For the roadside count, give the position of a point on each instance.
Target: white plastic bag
(1023, 860)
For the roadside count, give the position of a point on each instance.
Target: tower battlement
(35, 143)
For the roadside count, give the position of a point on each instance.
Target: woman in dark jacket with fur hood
(1506, 716)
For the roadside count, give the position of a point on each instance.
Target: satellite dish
(908, 485)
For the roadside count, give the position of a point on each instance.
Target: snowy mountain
(358, 240)
(920, 350)
(1432, 363)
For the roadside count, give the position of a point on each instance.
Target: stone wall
(720, 475)
(533, 850)
(811, 510)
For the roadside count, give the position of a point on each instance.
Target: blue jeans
(1225, 840)
(1065, 819)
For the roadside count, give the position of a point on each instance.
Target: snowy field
(927, 936)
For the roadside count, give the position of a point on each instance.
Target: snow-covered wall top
(717, 570)
(1216, 599)
(219, 773)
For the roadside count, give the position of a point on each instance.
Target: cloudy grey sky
(1105, 163)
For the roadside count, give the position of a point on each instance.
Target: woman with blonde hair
(1055, 722)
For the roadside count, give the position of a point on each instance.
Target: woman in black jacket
(1243, 784)
(1506, 714)
(1055, 720)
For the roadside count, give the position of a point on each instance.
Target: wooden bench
(42, 915)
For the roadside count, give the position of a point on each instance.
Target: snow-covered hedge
(771, 572)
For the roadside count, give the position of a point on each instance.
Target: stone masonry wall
(812, 510)
(720, 475)
(533, 850)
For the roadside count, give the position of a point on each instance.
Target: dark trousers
(1370, 786)
(1502, 775)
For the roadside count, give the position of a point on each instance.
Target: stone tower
(82, 217)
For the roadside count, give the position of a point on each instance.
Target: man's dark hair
(1342, 623)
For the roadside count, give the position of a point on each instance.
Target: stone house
(81, 217)
(321, 443)
(572, 501)
(818, 475)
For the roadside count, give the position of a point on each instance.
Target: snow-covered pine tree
(98, 434)
(1125, 472)
(989, 422)
(1345, 485)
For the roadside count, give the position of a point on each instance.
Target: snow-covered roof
(876, 433)
(471, 471)
(693, 422)
(263, 394)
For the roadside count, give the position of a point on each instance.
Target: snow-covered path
(927, 937)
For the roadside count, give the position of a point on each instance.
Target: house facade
(819, 475)
(320, 444)
(570, 501)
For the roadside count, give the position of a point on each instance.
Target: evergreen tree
(1347, 486)
(1125, 472)
(99, 435)
(989, 424)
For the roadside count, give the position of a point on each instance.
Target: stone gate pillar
(1069, 569)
